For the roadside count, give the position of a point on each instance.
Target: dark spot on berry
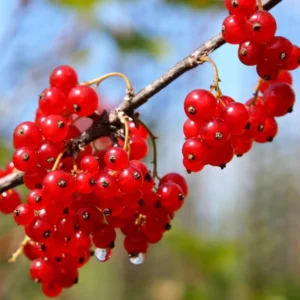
(86, 215)
(243, 51)
(239, 155)
(76, 280)
(188, 171)
(47, 234)
(136, 175)
(191, 157)
(37, 199)
(248, 126)
(270, 139)
(58, 259)
(112, 159)
(283, 56)
(192, 110)
(267, 77)
(290, 110)
(148, 177)
(81, 260)
(92, 253)
(180, 197)
(21, 131)
(92, 182)
(43, 247)
(36, 280)
(219, 135)
(133, 254)
(66, 211)
(256, 26)
(25, 156)
(107, 211)
(234, 3)
(168, 226)
(223, 28)
(104, 183)
(260, 128)
(223, 166)
(38, 186)
(111, 245)
(158, 204)
(16, 212)
(77, 108)
(50, 160)
(141, 202)
(60, 124)
(76, 227)
(62, 183)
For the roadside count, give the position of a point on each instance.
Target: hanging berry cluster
(218, 127)
(75, 204)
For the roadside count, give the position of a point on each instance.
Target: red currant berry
(240, 7)
(270, 131)
(136, 242)
(105, 237)
(9, 200)
(293, 60)
(47, 154)
(52, 101)
(138, 147)
(249, 53)
(233, 29)
(84, 183)
(51, 289)
(25, 159)
(267, 71)
(34, 180)
(241, 144)
(130, 180)
(178, 179)
(23, 214)
(32, 250)
(90, 164)
(195, 150)
(192, 128)
(41, 271)
(82, 100)
(64, 78)
(116, 159)
(106, 185)
(284, 76)
(37, 199)
(220, 156)
(54, 128)
(138, 129)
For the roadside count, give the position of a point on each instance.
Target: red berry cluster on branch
(254, 30)
(76, 202)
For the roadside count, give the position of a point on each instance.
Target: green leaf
(198, 4)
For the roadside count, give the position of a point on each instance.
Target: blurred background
(238, 236)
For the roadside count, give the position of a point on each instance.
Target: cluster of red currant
(254, 30)
(77, 202)
(218, 127)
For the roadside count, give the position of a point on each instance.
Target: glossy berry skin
(192, 128)
(32, 250)
(106, 185)
(34, 179)
(236, 116)
(215, 133)
(138, 130)
(27, 134)
(52, 289)
(84, 183)
(284, 76)
(220, 156)
(241, 144)
(200, 105)
(105, 236)
(279, 99)
(178, 179)
(258, 117)
(194, 149)
(293, 61)
(40, 230)
(25, 159)
(233, 29)
(270, 131)
(171, 196)
(116, 158)
(37, 199)
(240, 7)
(278, 51)
(260, 27)
(90, 164)
(52, 101)
(249, 53)
(47, 154)
(23, 214)
(41, 271)
(54, 128)
(267, 71)
(138, 147)
(136, 242)
(130, 180)
(63, 78)
(82, 100)
(9, 200)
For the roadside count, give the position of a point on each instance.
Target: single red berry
(215, 133)
(233, 29)
(138, 129)
(200, 105)
(241, 144)
(258, 117)
(9, 200)
(51, 289)
(25, 159)
(27, 134)
(105, 237)
(171, 196)
(63, 78)
(220, 156)
(192, 128)
(54, 128)
(178, 179)
(84, 183)
(249, 53)
(130, 179)
(116, 158)
(240, 7)
(41, 271)
(106, 185)
(278, 51)
(195, 149)
(279, 99)
(90, 164)
(270, 131)
(284, 76)
(89, 219)
(138, 147)
(267, 71)
(34, 179)
(47, 154)
(37, 199)
(293, 61)
(260, 27)
(40, 230)
(136, 242)
(82, 100)
(32, 250)
(236, 116)
(67, 226)
(23, 214)
(52, 101)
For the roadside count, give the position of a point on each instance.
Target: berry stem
(125, 120)
(153, 140)
(256, 90)
(215, 85)
(98, 80)
(260, 5)
(59, 157)
(19, 251)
